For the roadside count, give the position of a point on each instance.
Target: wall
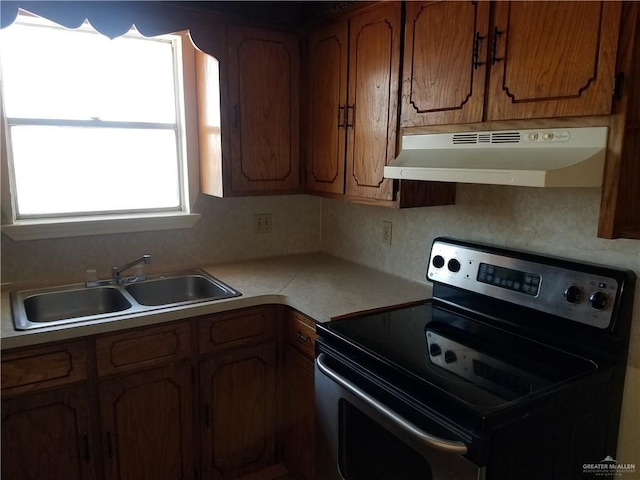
(224, 233)
(559, 222)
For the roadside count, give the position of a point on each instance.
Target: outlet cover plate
(387, 228)
(262, 223)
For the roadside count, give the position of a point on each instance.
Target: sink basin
(54, 306)
(178, 289)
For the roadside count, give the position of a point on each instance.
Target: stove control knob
(450, 356)
(453, 265)
(438, 261)
(434, 350)
(598, 300)
(573, 294)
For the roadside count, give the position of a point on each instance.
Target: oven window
(367, 450)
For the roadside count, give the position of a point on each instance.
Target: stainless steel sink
(178, 289)
(66, 304)
(80, 304)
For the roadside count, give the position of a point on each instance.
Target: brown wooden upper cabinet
(259, 82)
(263, 96)
(353, 103)
(468, 62)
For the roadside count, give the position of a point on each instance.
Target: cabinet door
(299, 413)
(147, 424)
(48, 437)
(327, 87)
(263, 95)
(238, 402)
(444, 65)
(374, 65)
(553, 59)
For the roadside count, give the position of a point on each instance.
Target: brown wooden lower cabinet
(48, 436)
(298, 394)
(141, 405)
(238, 393)
(147, 424)
(298, 428)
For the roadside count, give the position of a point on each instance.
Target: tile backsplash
(224, 233)
(561, 222)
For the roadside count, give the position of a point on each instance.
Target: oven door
(361, 438)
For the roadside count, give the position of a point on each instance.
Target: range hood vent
(485, 137)
(569, 157)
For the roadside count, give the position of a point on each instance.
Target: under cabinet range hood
(555, 157)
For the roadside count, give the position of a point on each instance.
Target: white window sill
(60, 228)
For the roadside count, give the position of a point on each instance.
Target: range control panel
(556, 287)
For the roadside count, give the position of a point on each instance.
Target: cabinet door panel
(444, 64)
(238, 395)
(48, 437)
(142, 348)
(299, 413)
(39, 368)
(147, 424)
(236, 328)
(374, 63)
(554, 59)
(263, 90)
(328, 56)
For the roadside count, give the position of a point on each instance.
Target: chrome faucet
(116, 271)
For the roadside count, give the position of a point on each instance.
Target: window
(95, 127)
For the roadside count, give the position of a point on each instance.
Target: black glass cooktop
(475, 363)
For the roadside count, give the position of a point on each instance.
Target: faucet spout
(116, 271)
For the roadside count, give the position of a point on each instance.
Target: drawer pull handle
(303, 337)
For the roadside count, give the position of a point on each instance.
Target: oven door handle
(426, 438)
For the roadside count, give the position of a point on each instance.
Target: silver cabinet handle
(428, 439)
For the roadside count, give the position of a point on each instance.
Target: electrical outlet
(387, 228)
(262, 222)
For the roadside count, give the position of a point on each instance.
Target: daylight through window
(94, 125)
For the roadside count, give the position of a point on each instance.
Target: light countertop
(319, 285)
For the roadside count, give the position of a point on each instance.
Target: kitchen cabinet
(248, 113)
(353, 84)
(326, 136)
(540, 59)
(443, 74)
(147, 424)
(264, 102)
(619, 212)
(353, 81)
(238, 392)
(298, 427)
(146, 414)
(48, 436)
(191, 399)
(47, 431)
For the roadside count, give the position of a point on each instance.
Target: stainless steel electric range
(513, 371)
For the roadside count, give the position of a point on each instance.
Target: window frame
(118, 222)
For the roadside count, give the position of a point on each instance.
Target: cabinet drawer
(252, 326)
(45, 367)
(142, 348)
(300, 331)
